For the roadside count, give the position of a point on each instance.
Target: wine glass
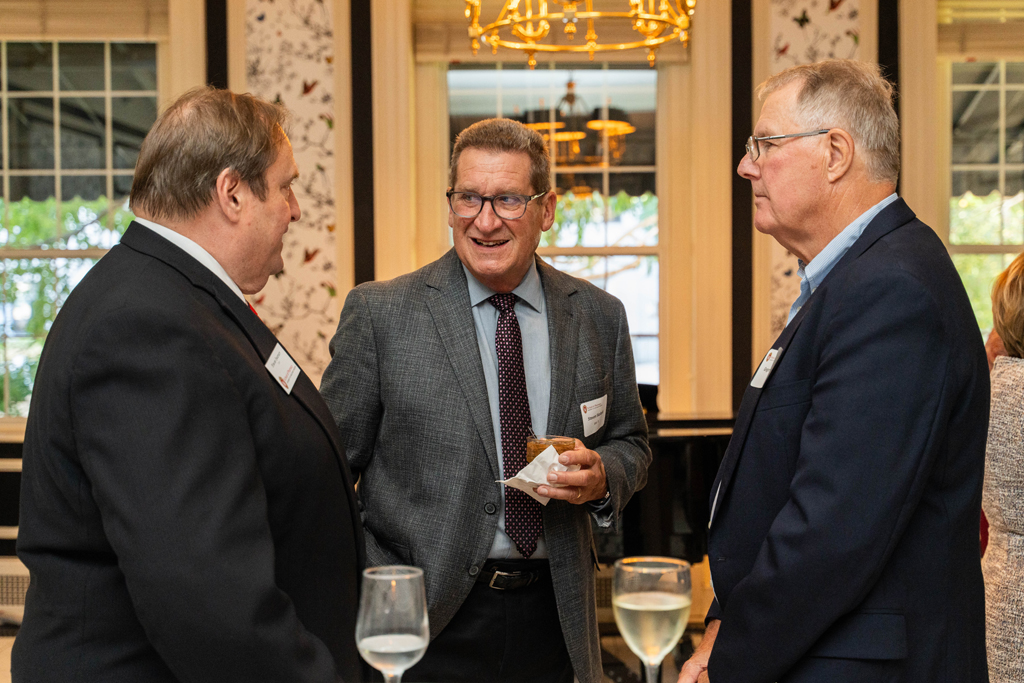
(651, 600)
(391, 629)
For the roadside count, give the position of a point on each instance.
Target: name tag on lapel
(283, 369)
(593, 414)
(761, 376)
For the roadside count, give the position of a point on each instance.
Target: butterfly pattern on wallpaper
(290, 60)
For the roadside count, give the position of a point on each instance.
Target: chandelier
(519, 27)
(569, 128)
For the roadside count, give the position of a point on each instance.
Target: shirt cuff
(602, 510)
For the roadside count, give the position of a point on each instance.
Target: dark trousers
(510, 636)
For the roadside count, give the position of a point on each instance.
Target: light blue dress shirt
(531, 312)
(812, 274)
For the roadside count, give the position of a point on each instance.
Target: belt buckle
(498, 572)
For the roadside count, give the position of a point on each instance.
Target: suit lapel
(449, 306)
(890, 218)
(144, 240)
(745, 416)
(563, 334)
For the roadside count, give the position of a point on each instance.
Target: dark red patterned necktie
(522, 513)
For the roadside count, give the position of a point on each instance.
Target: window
(601, 118)
(72, 119)
(986, 206)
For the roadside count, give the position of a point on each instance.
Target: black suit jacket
(844, 538)
(183, 518)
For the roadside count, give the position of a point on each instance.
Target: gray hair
(852, 95)
(204, 132)
(505, 135)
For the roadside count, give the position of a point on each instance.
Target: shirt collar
(195, 251)
(821, 265)
(529, 289)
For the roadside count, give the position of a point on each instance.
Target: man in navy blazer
(844, 518)
(187, 511)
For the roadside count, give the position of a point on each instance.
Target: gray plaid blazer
(406, 387)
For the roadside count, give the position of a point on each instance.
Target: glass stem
(653, 672)
(392, 678)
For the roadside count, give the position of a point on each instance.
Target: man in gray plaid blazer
(426, 383)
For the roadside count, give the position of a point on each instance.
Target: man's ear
(230, 194)
(840, 153)
(548, 202)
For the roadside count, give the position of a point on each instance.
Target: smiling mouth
(484, 243)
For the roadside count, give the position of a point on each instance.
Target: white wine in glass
(651, 600)
(391, 630)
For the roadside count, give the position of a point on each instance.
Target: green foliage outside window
(32, 290)
(990, 220)
(575, 216)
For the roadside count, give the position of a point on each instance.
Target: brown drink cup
(535, 445)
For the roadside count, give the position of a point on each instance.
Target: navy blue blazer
(183, 518)
(844, 534)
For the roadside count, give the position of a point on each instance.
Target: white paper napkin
(536, 474)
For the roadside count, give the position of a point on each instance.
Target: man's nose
(747, 168)
(294, 205)
(487, 219)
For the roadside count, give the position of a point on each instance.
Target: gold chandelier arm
(539, 47)
(682, 21)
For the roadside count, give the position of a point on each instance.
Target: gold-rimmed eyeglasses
(754, 149)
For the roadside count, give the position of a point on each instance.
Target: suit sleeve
(624, 450)
(166, 439)
(868, 445)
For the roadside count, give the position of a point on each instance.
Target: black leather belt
(505, 578)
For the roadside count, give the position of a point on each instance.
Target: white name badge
(761, 376)
(594, 414)
(282, 368)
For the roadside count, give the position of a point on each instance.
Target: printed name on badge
(593, 414)
(761, 376)
(283, 369)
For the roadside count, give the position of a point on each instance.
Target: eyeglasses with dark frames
(507, 206)
(754, 149)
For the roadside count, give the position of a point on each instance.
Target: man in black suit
(187, 511)
(844, 518)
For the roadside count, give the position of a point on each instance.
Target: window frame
(944, 152)
(1001, 166)
(12, 427)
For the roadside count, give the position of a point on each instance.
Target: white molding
(711, 206)
(394, 148)
(673, 137)
(921, 183)
(12, 566)
(432, 123)
(84, 19)
(982, 40)
(237, 80)
(344, 205)
(10, 464)
(185, 50)
(12, 429)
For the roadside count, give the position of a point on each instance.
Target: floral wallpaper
(289, 56)
(805, 31)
